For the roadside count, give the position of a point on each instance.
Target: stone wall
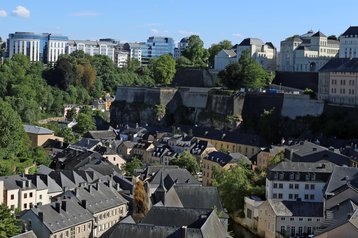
(300, 105)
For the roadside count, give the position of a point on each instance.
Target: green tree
(246, 73)
(216, 48)
(8, 223)
(130, 166)
(13, 139)
(85, 123)
(40, 157)
(196, 52)
(183, 62)
(163, 69)
(68, 135)
(186, 161)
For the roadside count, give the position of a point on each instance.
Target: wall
(300, 105)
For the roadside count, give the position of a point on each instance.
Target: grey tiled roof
(351, 31)
(70, 215)
(341, 65)
(319, 34)
(296, 208)
(178, 175)
(289, 166)
(86, 143)
(230, 53)
(101, 135)
(340, 177)
(28, 234)
(37, 130)
(219, 157)
(251, 41)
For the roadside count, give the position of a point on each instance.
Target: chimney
(23, 184)
(184, 230)
(65, 189)
(84, 204)
(314, 149)
(41, 216)
(118, 187)
(58, 207)
(110, 184)
(76, 192)
(28, 183)
(64, 205)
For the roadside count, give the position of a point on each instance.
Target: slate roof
(219, 157)
(37, 130)
(340, 177)
(296, 208)
(230, 53)
(28, 234)
(289, 166)
(319, 34)
(178, 175)
(199, 147)
(142, 145)
(341, 65)
(101, 135)
(299, 80)
(99, 197)
(341, 214)
(160, 150)
(251, 41)
(70, 215)
(86, 143)
(55, 144)
(17, 182)
(351, 31)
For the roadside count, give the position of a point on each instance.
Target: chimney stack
(84, 204)
(58, 207)
(41, 216)
(184, 230)
(64, 205)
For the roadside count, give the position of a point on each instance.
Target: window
(312, 186)
(318, 219)
(25, 205)
(296, 196)
(249, 213)
(282, 229)
(275, 195)
(40, 196)
(297, 186)
(312, 196)
(12, 197)
(293, 231)
(290, 186)
(282, 219)
(25, 195)
(290, 196)
(292, 219)
(300, 230)
(275, 185)
(309, 219)
(300, 219)
(307, 186)
(280, 196)
(30, 195)
(309, 230)
(306, 196)
(280, 185)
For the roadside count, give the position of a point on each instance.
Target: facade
(157, 46)
(213, 159)
(308, 52)
(182, 45)
(42, 47)
(265, 156)
(349, 43)
(291, 181)
(134, 50)
(92, 47)
(338, 82)
(251, 210)
(289, 218)
(39, 135)
(264, 53)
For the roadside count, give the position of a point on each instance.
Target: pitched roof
(351, 31)
(341, 65)
(296, 208)
(177, 175)
(28, 234)
(289, 166)
(37, 130)
(319, 34)
(230, 53)
(101, 135)
(251, 41)
(86, 143)
(299, 80)
(219, 157)
(340, 177)
(70, 213)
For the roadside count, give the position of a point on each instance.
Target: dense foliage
(195, 55)
(9, 225)
(216, 48)
(186, 161)
(130, 166)
(246, 73)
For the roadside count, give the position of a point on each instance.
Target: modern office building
(157, 46)
(43, 47)
(92, 47)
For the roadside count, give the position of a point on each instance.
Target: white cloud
(154, 31)
(237, 35)
(85, 14)
(187, 33)
(3, 13)
(21, 11)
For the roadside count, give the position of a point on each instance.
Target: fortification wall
(301, 105)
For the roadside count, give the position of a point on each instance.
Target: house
(160, 222)
(201, 149)
(289, 218)
(348, 43)
(39, 135)
(111, 156)
(53, 147)
(158, 153)
(306, 151)
(224, 58)
(125, 148)
(65, 218)
(251, 211)
(290, 181)
(143, 150)
(264, 157)
(102, 201)
(105, 136)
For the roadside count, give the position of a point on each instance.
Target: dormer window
(292, 176)
(313, 177)
(307, 177)
(276, 176)
(297, 176)
(281, 176)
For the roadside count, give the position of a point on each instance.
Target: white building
(264, 53)
(349, 43)
(292, 181)
(91, 47)
(134, 50)
(308, 52)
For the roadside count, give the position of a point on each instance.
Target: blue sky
(213, 20)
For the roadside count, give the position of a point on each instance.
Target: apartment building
(292, 181)
(91, 47)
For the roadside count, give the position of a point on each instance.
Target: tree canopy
(246, 73)
(195, 52)
(163, 69)
(8, 223)
(186, 161)
(130, 166)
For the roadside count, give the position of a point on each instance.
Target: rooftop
(37, 130)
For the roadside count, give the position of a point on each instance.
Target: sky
(212, 20)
